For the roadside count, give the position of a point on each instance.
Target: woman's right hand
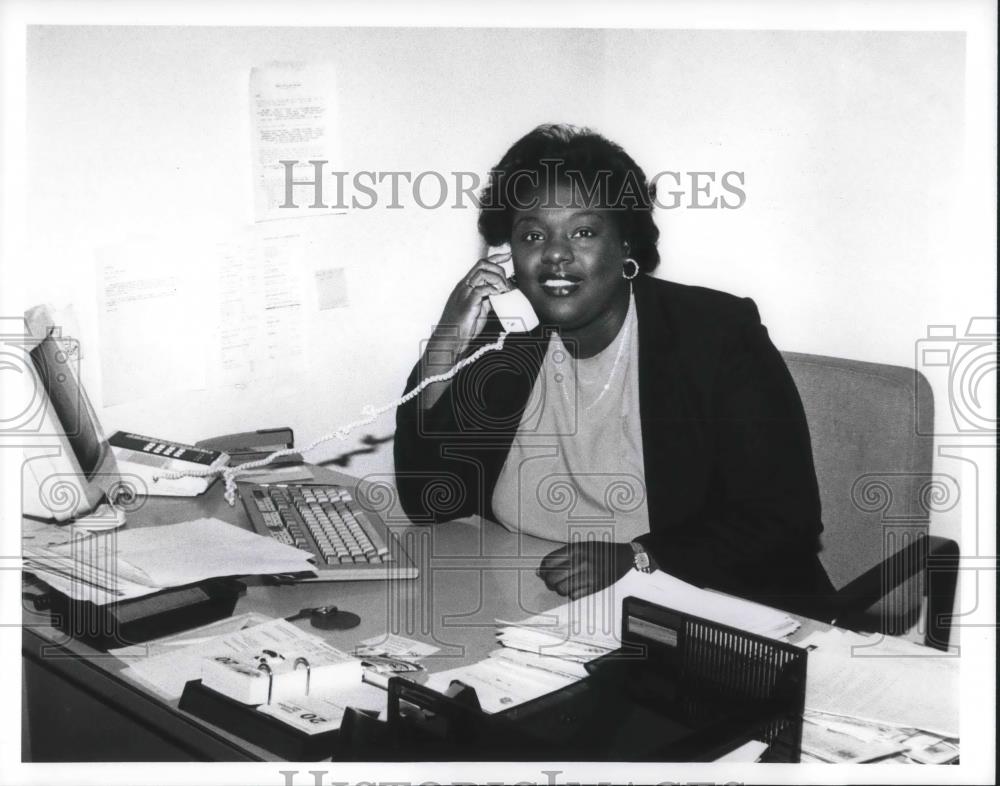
(463, 319)
(467, 308)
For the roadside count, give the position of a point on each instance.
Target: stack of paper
(833, 739)
(546, 652)
(502, 681)
(246, 638)
(167, 671)
(883, 680)
(43, 534)
(588, 627)
(840, 739)
(82, 572)
(136, 562)
(185, 639)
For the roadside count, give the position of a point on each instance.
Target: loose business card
(390, 645)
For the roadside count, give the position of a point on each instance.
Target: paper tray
(128, 622)
(680, 688)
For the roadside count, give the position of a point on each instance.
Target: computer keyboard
(347, 542)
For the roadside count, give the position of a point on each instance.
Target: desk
(471, 573)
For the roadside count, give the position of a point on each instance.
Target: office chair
(878, 489)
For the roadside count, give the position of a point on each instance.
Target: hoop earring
(635, 269)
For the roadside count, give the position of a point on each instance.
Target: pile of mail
(130, 563)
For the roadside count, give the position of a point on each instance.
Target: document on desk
(134, 562)
(835, 747)
(188, 638)
(167, 672)
(501, 683)
(178, 554)
(72, 569)
(588, 627)
(45, 534)
(165, 666)
(838, 739)
(884, 680)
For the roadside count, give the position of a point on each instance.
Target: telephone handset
(512, 308)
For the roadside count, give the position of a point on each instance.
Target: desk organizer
(128, 622)
(263, 730)
(680, 688)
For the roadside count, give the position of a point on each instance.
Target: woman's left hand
(578, 569)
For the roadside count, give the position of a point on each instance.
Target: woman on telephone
(641, 423)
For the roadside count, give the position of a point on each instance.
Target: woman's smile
(560, 284)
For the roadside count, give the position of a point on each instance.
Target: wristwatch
(641, 559)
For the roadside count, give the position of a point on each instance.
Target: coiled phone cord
(229, 474)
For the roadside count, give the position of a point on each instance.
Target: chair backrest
(874, 469)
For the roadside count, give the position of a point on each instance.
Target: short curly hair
(595, 166)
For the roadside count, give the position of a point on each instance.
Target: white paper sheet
(152, 340)
(135, 562)
(178, 554)
(189, 638)
(44, 534)
(838, 748)
(585, 628)
(293, 112)
(850, 676)
(261, 281)
(559, 666)
(829, 737)
(331, 288)
(72, 570)
(747, 753)
(167, 672)
(501, 684)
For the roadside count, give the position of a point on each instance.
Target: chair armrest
(940, 554)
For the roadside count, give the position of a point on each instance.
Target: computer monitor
(70, 468)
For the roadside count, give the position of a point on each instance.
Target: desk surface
(471, 574)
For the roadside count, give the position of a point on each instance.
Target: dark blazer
(731, 489)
